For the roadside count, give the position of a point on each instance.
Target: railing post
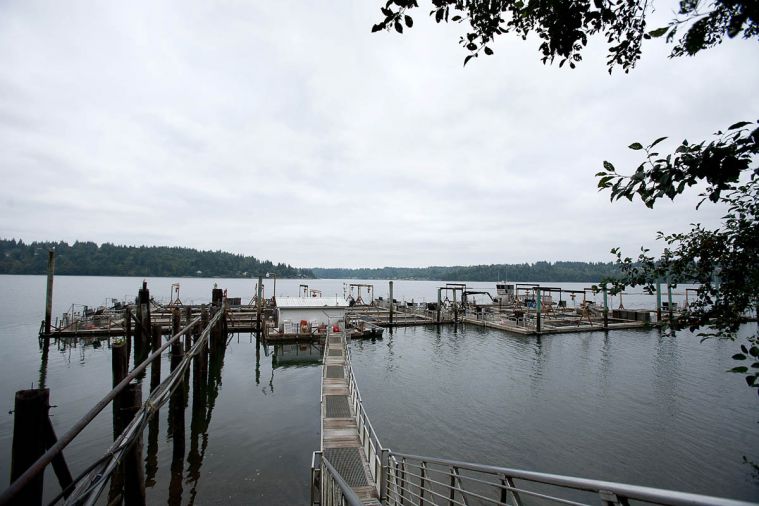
(383, 471)
(452, 493)
(423, 475)
(403, 480)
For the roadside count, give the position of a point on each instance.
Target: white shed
(315, 310)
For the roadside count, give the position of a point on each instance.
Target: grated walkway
(340, 441)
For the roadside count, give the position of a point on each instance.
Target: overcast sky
(288, 131)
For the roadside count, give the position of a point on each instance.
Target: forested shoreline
(90, 259)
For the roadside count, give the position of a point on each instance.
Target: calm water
(631, 406)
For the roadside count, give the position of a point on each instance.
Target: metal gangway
(353, 468)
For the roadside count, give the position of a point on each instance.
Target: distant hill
(89, 259)
(538, 271)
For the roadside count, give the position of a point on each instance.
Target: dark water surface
(630, 406)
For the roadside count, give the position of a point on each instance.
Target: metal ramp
(341, 444)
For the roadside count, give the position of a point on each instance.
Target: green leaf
(602, 183)
(488, 51)
(657, 141)
(456, 18)
(398, 26)
(658, 32)
(754, 351)
(739, 356)
(608, 166)
(468, 58)
(740, 369)
(750, 380)
(739, 125)
(635, 146)
(377, 28)
(409, 21)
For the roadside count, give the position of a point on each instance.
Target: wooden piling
(391, 303)
(134, 476)
(606, 308)
(439, 303)
(188, 335)
(259, 302)
(539, 310)
(128, 329)
(60, 467)
(670, 309)
(177, 404)
(49, 294)
(29, 428)
(155, 367)
(144, 315)
(455, 308)
(119, 369)
(658, 302)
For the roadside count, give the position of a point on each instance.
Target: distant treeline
(538, 271)
(89, 259)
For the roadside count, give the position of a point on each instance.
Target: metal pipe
(48, 456)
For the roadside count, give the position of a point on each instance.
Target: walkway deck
(340, 438)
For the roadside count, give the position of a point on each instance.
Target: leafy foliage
(87, 258)
(564, 27)
(723, 261)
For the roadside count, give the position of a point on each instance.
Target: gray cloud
(288, 131)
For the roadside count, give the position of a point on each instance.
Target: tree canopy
(723, 261)
(564, 27)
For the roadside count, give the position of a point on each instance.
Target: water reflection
(300, 353)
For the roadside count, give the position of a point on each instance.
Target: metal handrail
(38, 466)
(345, 494)
(606, 489)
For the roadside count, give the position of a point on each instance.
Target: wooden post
(134, 476)
(155, 367)
(29, 428)
(669, 303)
(658, 302)
(144, 315)
(60, 467)
(455, 308)
(439, 303)
(127, 328)
(151, 462)
(119, 368)
(177, 404)
(259, 295)
(188, 335)
(391, 303)
(49, 294)
(539, 310)
(606, 308)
